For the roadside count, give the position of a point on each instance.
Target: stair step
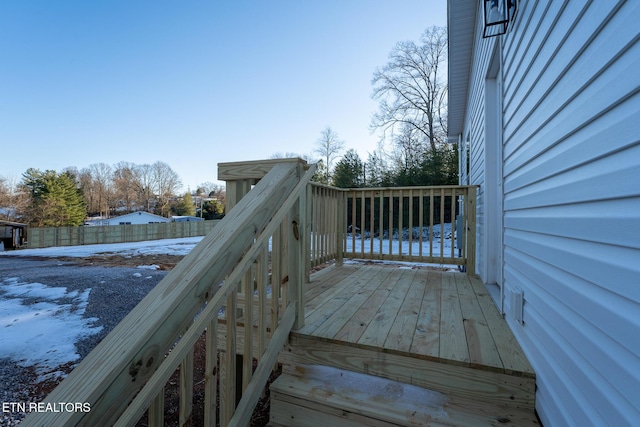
(464, 382)
(323, 396)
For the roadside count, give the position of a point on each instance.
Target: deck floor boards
(437, 330)
(446, 317)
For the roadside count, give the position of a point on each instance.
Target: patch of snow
(39, 325)
(150, 247)
(149, 267)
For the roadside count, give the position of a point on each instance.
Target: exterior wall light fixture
(497, 15)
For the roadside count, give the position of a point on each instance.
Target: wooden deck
(414, 325)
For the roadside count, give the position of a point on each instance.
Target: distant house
(183, 218)
(547, 119)
(132, 218)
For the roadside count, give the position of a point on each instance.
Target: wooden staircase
(331, 380)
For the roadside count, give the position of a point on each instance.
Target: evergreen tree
(56, 199)
(377, 172)
(440, 167)
(185, 207)
(349, 170)
(212, 209)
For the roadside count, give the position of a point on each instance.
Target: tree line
(51, 199)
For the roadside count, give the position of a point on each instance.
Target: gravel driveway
(114, 293)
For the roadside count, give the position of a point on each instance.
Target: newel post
(236, 190)
(308, 263)
(298, 241)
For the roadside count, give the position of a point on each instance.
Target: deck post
(236, 190)
(239, 177)
(306, 245)
(296, 243)
(341, 225)
(471, 234)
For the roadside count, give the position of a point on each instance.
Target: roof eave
(461, 25)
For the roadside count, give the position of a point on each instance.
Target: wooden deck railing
(412, 224)
(327, 223)
(224, 278)
(422, 224)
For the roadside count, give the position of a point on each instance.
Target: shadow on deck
(416, 326)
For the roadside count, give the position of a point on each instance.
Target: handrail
(123, 375)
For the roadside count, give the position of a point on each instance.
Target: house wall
(571, 176)
(475, 132)
(138, 218)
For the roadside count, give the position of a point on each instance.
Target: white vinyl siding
(475, 129)
(571, 176)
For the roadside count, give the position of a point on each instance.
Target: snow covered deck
(425, 327)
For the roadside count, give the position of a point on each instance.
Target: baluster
(431, 201)
(156, 410)
(421, 221)
(228, 363)
(247, 365)
(186, 389)
(353, 222)
(410, 224)
(442, 225)
(453, 223)
(262, 279)
(371, 223)
(211, 373)
(381, 220)
(362, 223)
(391, 223)
(400, 221)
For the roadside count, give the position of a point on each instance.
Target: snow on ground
(39, 325)
(150, 247)
(402, 246)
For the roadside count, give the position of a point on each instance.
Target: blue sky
(191, 83)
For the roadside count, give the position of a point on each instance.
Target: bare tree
(328, 147)
(6, 212)
(166, 183)
(285, 155)
(102, 175)
(211, 189)
(411, 89)
(84, 178)
(124, 183)
(143, 183)
(408, 149)
(13, 201)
